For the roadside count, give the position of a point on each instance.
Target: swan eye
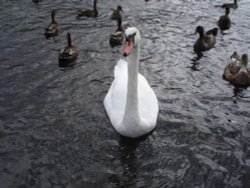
(131, 37)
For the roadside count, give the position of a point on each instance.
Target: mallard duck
(116, 13)
(117, 37)
(224, 22)
(69, 53)
(53, 27)
(230, 5)
(206, 41)
(236, 71)
(88, 12)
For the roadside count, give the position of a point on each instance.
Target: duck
(53, 27)
(89, 12)
(36, 1)
(236, 71)
(230, 5)
(206, 41)
(130, 103)
(117, 37)
(69, 53)
(224, 21)
(116, 13)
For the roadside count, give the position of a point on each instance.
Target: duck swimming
(69, 53)
(116, 13)
(88, 12)
(230, 5)
(236, 71)
(117, 37)
(224, 22)
(53, 27)
(206, 41)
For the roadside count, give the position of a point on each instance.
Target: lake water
(53, 128)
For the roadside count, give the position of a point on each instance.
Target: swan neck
(132, 84)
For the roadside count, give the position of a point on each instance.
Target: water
(53, 128)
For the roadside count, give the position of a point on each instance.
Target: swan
(53, 27)
(131, 103)
(237, 72)
(206, 41)
(224, 21)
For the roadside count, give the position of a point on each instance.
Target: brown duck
(206, 41)
(89, 12)
(117, 37)
(224, 22)
(70, 52)
(236, 71)
(230, 5)
(53, 27)
(116, 13)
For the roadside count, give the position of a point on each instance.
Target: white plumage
(130, 103)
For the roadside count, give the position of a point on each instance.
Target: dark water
(53, 128)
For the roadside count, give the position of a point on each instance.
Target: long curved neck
(132, 84)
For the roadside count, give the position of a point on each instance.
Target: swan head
(132, 37)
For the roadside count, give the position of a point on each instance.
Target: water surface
(53, 128)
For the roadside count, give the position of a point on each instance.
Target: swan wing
(115, 100)
(147, 101)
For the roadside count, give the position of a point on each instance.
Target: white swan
(130, 103)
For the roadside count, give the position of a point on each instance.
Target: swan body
(53, 27)
(236, 71)
(206, 41)
(131, 103)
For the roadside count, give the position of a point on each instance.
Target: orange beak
(128, 47)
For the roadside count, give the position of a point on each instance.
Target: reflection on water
(53, 128)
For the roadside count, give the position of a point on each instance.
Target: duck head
(119, 8)
(199, 29)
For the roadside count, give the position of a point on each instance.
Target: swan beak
(128, 47)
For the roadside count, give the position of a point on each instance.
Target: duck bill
(128, 48)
